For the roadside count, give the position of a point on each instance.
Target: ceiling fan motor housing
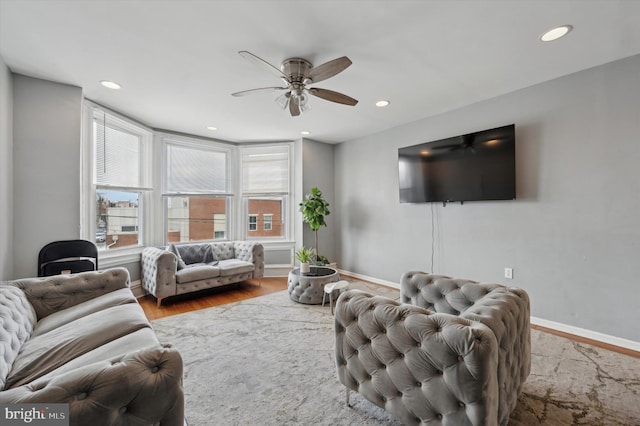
(297, 69)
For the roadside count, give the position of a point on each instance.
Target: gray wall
(573, 234)
(318, 171)
(6, 172)
(46, 167)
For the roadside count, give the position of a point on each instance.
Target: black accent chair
(69, 256)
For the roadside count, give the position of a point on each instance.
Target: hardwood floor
(213, 297)
(249, 289)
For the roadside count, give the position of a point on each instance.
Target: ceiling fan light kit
(297, 73)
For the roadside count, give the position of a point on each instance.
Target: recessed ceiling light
(110, 84)
(305, 132)
(212, 128)
(556, 33)
(382, 104)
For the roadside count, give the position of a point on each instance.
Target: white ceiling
(177, 61)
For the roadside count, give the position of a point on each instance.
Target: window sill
(120, 257)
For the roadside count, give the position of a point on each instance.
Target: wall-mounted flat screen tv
(472, 167)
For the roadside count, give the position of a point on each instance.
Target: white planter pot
(305, 268)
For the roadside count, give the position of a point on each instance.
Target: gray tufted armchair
(455, 352)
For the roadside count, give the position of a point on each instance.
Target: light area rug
(270, 361)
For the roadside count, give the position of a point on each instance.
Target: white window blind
(193, 170)
(265, 170)
(118, 153)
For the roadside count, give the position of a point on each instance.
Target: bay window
(142, 187)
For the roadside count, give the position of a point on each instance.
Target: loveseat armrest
(159, 268)
(414, 363)
(251, 252)
(141, 387)
(51, 294)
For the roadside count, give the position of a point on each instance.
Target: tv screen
(472, 167)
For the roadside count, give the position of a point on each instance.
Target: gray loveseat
(455, 352)
(185, 268)
(84, 340)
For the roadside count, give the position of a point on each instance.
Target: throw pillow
(195, 253)
(173, 249)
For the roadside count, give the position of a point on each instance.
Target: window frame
(167, 140)
(254, 222)
(265, 221)
(287, 213)
(89, 187)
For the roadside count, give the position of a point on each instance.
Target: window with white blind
(121, 180)
(198, 190)
(265, 186)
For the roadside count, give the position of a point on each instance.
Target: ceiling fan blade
(262, 63)
(260, 90)
(294, 106)
(332, 96)
(329, 69)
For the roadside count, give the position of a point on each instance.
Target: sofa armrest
(415, 363)
(159, 272)
(251, 252)
(55, 293)
(141, 387)
(506, 311)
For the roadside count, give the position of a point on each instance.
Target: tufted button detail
(460, 358)
(439, 416)
(461, 404)
(155, 369)
(81, 396)
(122, 410)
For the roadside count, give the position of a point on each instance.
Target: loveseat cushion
(196, 273)
(17, 319)
(46, 352)
(234, 266)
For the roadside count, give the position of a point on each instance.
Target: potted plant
(305, 256)
(314, 208)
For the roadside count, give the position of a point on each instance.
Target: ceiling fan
(297, 74)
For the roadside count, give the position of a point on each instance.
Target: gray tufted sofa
(185, 268)
(83, 340)
(455, 352)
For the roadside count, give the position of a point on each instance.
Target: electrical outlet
(508, 273)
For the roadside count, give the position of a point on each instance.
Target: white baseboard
(277, 270)
(588, 334)
(576, 331)
(369, 279)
